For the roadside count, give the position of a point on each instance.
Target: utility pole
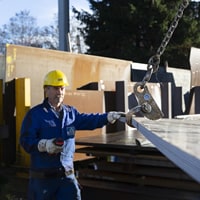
(63, 24)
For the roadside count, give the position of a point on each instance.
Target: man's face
(55, 95)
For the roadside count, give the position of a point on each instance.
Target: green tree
(134, 29)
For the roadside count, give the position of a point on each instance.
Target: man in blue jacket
(48, 135)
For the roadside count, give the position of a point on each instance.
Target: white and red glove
(49, 146)
(113, 116)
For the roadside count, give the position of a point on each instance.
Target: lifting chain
(154, 61)
(146, 103)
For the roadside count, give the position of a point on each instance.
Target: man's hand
(49, 146)
(113, 116)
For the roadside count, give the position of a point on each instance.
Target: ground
(12, 185)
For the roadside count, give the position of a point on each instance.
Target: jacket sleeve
(29, 130)
(90, 121)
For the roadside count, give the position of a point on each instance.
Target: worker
(48, 135)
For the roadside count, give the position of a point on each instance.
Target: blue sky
(42, 10)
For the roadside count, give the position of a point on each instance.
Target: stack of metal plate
(177, 139)
(126, 165)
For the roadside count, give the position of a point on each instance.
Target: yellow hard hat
(55, 78)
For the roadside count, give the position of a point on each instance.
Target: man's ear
(45, 91)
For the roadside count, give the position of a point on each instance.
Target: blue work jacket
(41, 122)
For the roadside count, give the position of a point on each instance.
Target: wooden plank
(179, 140)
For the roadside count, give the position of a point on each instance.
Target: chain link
(172, 28)
(154, 61)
